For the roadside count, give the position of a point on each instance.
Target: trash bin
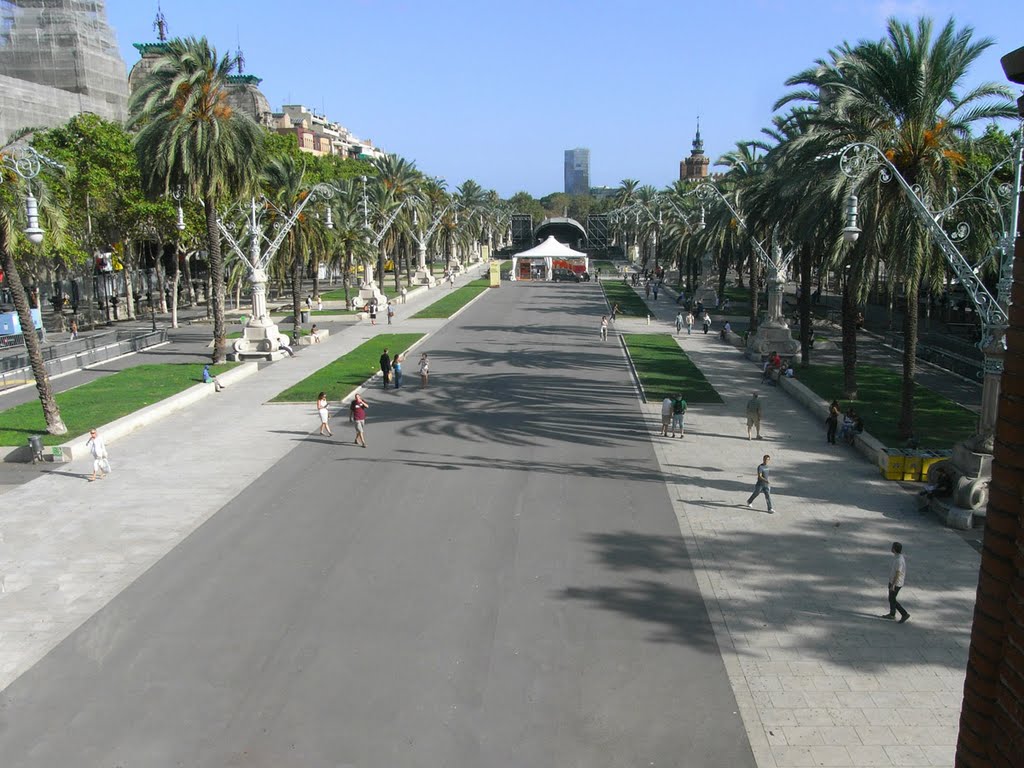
(304, 314)
(35, 442)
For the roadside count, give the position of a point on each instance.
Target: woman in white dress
(321, 408)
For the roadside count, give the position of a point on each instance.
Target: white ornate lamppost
(261, 337)
(971, 464)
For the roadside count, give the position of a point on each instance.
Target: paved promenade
(67, 547)
(795, 597)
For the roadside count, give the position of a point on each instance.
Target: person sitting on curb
(209, 378)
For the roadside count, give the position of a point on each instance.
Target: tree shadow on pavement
(816, 590)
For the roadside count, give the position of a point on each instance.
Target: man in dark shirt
(385, 367)
(763, 485)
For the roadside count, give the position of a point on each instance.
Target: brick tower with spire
(695, 167)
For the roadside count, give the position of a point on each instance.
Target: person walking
(74, 329)
(209, 378)
(396, 369)
(321, 408)
(832, 422)
(319, 303)
(357, 415)
(424, 367)
(679, 323)
(657, 287)
(604, 327)
(615, 312)
(647, 288)
(373, 311)
(678, 411)
(897, 575)
(666, 415)
(100, 458)
(763, 484)
(754, 413)
(385, 367)
(707, 322)
(689, 322)
(390, 312)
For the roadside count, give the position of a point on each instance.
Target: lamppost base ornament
(424, 277)
(769, 338)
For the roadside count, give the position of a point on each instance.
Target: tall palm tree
(901, 94)
(12, 242)
(284, 182)
(191, 139)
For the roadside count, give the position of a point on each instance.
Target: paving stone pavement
(796, 597)
(67, 546)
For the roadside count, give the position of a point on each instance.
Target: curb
(76, 448)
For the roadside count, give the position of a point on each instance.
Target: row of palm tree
(191, 145)
(902, 94)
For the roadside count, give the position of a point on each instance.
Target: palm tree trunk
(347, 265)
(296, 297)
(316, 275)
(129, 268)
(188, 280)
(174, 294)
(910, 323)
(216, 278)
(161, 278)
(54, 423)
(850, 338)
(806, 332)
(755, 282)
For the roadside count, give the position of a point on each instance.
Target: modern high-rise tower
(577, 171)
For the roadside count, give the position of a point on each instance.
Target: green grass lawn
(735, 294)
(455, 300)
(938, 422)
(665, 370)
(346, 373)
(630, 304)
(338, 294)
(102, 401)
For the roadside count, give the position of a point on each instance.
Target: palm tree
(284, 180)
(901, 95)
(12, 189)
(349, 236)
(191, 139)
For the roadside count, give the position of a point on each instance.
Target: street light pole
(261, 337)
(971, 464)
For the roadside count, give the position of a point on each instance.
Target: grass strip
(102, 401)
(340, 377)
(455, 300)
(665, 370)
(939, 422)
(338, 294)
(630, 304)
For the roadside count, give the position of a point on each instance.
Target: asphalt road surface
(497, 580)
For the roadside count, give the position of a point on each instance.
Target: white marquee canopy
(550, 250)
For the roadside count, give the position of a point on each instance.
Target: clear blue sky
(496, 91)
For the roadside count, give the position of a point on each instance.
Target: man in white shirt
(666, 415)
(897, 575)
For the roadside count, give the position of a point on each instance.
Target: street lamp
(261, 337)
(972, 459)
(851, 231)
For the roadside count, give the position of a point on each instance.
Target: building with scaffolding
(58, 58)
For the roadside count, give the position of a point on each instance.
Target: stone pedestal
(772, 337)
(261, 339)
(423, 274)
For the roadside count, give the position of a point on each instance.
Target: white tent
(548, 251)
